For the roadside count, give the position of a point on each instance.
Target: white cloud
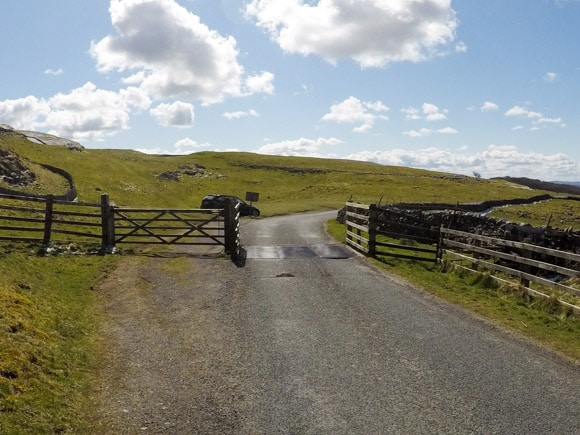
(495, 161)
(86, 113)
(168, 52)
(489, 107)
(411, 113)
(176, 114)
(299, 147)
(373, 33)
(521, 112)
(429, 112)
(260, 83)
(353, 110)
(189, 144)
(551, 77)
(240, 114)
(54, 72)
(428, 132)
(461, 47)
(433, 113)
(24, 113)
(557, 121)
(154, 151)
(536, 118)
(136, 98)
(181, 147)
(446, 130)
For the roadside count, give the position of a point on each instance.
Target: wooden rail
(48, 221)
(512, 258)
(529, 263)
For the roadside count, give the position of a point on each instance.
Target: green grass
(49, 316)
(285, 184)
(560, 214)
(48, 322)
(537, 319)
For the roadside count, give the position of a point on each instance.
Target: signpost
(252, 197)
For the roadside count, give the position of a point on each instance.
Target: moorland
(50, 312)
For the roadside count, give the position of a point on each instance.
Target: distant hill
(571, 188)
(569, 183)
(285, 184)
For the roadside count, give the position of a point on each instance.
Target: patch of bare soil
(170, 350)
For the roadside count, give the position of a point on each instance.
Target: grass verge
(48, 321)
(539, 320)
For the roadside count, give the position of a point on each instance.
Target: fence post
(107, 224)
(111, 228)
(526, 268)
(229, 236)
(439, 254)
(476, 255)
(373, 224)
(48, 221)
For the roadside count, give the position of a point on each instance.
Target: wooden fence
(526, 262)
(548, 268)
(48, 222)
(367, 232)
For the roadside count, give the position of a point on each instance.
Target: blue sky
(491, 87)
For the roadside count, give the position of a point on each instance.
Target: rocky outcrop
(194, 170)
(13, 171)
(42, 138)
(48, 139)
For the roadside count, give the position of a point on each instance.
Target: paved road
(309, 339)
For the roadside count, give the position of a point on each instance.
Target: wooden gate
(122, 225)
(58, 222)
(168, 226)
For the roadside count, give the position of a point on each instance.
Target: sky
(481, 88)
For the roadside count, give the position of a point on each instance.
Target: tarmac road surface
(307, 338)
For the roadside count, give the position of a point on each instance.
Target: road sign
(252, 196)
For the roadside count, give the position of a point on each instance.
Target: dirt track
(169, 350)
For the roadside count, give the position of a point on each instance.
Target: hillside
(285, 184)
(558, 187)
(54, 349)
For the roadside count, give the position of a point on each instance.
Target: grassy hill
(49, 316)
(285, 184)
